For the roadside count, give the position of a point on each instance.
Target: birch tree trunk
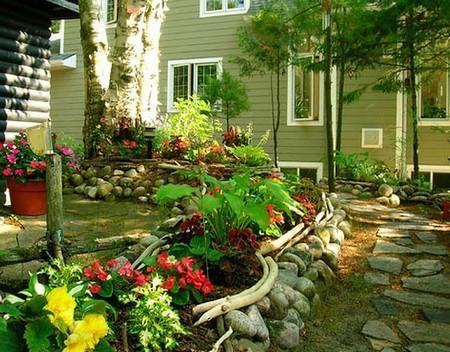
(149, 77)
(96, 68)
(122, 98)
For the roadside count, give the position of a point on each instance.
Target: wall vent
(372, 138)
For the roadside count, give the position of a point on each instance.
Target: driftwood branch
(152, 247)
(223, 339)
(280, 241)
(221, 329)
(243, 301)
(201, 308)
(295, 240)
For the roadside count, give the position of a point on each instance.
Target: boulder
(240, 323)
(176, 211)
(325, 272)
(323, 233)
(288, 266)
(118, 172)
(292, 258)
(383, 200)
(76, 180)
(147, 184)
(394, 201)
(117, 191)
(311, 274)
(159, 182)
(115, 180)
(294, 317)
(303, 307)
(263, 305)
(385, 190)
(419, 199)
(80, 189)
(127, 192)
(126, 182)
(92, 181)
(356, 191)
(92, 193)
(301, 250)
(104, 171)
(141, 169)
(286, 335)
(330, 258)
(262, 333)
(104, 189)
(306, 287)
(346, 228)
(132, 173)
(90, 172)
(143, 199)
(278, 304)
(139, 192)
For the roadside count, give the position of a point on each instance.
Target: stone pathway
(410, 275)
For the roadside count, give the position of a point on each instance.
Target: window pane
(303, 82)
(204, 74)
(111, 11)
(236, 4)
(289, 171)
(180, 82)
(309, 173)
(213, 5)
(434, 95)
(441, 181)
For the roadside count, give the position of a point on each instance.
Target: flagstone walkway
(410, 276)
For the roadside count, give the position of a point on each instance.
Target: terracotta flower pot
(29, 199)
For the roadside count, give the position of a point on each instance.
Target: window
(311, 170)
(372, 138)
(435, 177)
(304, 92)
(223, 7)
(109, 11)
(434, 97)
(189, 77)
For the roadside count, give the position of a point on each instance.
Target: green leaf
(258, 214)
(181, 298)
(37, 334)
(3, 325)
(94, 306)
(35, 286)
(104, 346)
(35, 306)
(208, 204)
(214, 255)
(197, 296)
(10, 309)
(107, 288)
(199, 244)
(180, 250)
(235, 203)
(10, 341)
(78, 289)
(169, 193)
(150, 260)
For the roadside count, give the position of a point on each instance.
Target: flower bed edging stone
(303, 270)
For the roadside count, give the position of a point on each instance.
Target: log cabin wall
(24, 66)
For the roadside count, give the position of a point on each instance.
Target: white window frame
(440, 169)
(59, 36)
(372, 146)
(225, 11)
(196, 62)
(303, 165)
(291, 120)
(434, 122)
(104, 12)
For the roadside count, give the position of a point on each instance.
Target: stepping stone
(392, 233)
(437, 316)
(377, 279)
(426, 237)
(404, 241)
(433, 284)
(384, 307)
(428, 347)
(418, 299)
(379, 330)
(389, 264)
(379, 345)
(388, 349)
(392, 248)
(425, 267)
(425, 332)
(435, 249)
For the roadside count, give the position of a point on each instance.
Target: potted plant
(25, 174)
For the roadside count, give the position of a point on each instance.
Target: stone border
(303, 270)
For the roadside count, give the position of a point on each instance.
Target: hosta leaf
(209, 204)
(258, 214)
(150, 260)
(37, 334)
(169, 193)
(236, 203)
(107, 288)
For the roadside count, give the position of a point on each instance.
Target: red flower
(18, 172)
(126, 271)
(182, 283)
(169, 283)
(95, 289)
(133, 145)
(276, 217)
(242, 238)
(140, 279)
(7, 172)
(163, 261)
(207, 287)
(112, 263)
(96, 271)
(152, 269)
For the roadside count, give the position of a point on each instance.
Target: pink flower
(15, 151)
(40, 165)
(23, 141)
(10, 145)
(11, 158)
(7, 172)
(18, 172)
(1, 146)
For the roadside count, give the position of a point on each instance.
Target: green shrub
(151, 318)
(250, 155)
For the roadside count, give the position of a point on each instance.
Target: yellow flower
(86, 333)
(62, 306)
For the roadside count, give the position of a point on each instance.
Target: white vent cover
(372, 138)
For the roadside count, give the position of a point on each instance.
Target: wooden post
(54, 204)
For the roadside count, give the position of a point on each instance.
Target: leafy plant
(250, 155)
(183, 278)
(151, 318)
(227, 95)
(192, 122)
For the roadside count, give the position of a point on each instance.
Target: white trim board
(372, 146)
(225, 11)
(172, 63)
(304, 165)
